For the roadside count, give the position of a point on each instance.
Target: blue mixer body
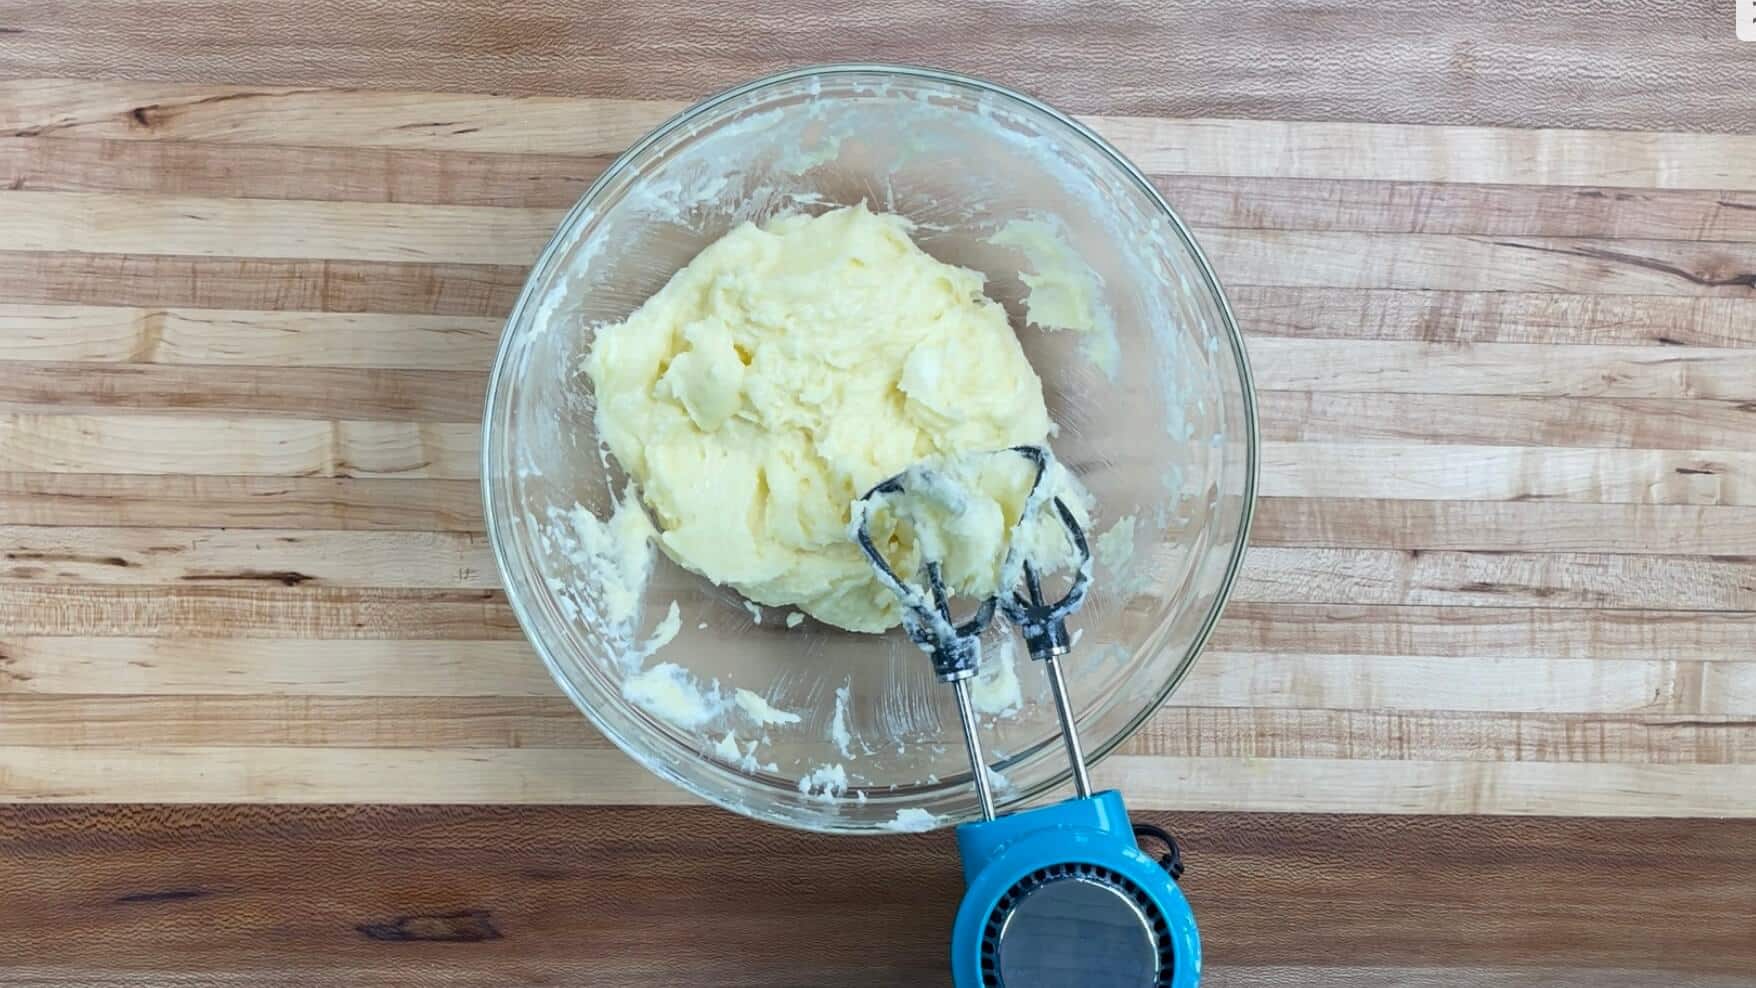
(1090, 838)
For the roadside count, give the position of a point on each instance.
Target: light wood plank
(266, 611)
(1473, 420)
(1197, 146)
(1407, 685)
(164, 280)
(161, 666)
(1494, 316)
(394, 394)
(1498, 579)
(261, 228)
(148, 444)
(1528, 264)
(1508, 473)
(396, 337)
(1461, 632)
(169, 500)
(88, 222)
(1532, 526)
(291, 557)
(1478, 682)
(1178, 732)
(1314, 785)
(1443, 735)
(241, 337)
(1506, 369)
(327, 117)
(1392, 152)
(1262, 680)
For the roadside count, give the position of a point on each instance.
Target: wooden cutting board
(1504, 562)
(1497, 265)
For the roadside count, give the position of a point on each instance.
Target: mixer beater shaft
(1062, 888)
(956, 648)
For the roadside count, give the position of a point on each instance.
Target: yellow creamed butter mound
(786, 370)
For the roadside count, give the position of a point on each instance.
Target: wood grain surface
(1653, 64)
(1497, 268)
(1506, 560)
(333, 896)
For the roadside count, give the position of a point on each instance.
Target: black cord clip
(1172, 859)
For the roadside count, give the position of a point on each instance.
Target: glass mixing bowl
(1164, 438)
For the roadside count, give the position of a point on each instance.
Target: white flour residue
(1115, 547)
(1115, 552)
(1065, 293)
(996, 690)
(755, 611)
(1112, 652)
(824, 783)
(749, 763)
(838, 725)
(670, 693)
(794, 619)
(610, 563)
(664, 632)
(997, 779)
(802, 160)
(742, 757)
(912, 820)
(727, 748)
(760, 711)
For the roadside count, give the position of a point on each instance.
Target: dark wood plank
(335, 721)
(1656, 64)
(1466, 209)
(1549, 526)
(357, 174)
(61, 163)
(386, 393)
(1495, 317)
(321, 896)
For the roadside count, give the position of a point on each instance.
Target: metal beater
(1061, 894)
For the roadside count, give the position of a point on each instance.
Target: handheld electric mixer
(1060, 894)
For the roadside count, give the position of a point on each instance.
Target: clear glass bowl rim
(539, 275)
